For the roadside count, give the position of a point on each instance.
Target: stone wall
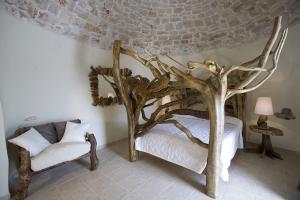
(177, 27)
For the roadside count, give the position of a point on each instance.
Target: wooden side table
(266, 147)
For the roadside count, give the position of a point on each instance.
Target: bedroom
(48, 47)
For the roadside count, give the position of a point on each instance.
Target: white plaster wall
(44, 74)
(4, 194)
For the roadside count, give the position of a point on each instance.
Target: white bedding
(169, 143)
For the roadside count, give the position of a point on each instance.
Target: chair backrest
(61, 126)
(53, 132)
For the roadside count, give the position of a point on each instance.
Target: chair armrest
(24, 174)
(25, 162)
(93, 155)
(92, 140)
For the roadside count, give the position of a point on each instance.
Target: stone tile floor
(251, 177)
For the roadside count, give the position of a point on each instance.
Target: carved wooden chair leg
(93, 156)
(94, 161)
(24, 184)
(24, 176)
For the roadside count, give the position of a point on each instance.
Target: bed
(167, 142)
(216, 86)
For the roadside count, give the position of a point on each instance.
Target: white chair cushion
(59, 153)
(74, 132)
(32, 141)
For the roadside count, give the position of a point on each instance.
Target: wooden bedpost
(123, 88)
(241, 98)
(216, 108)
(217, 92)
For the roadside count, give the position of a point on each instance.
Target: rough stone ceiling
(177, 27)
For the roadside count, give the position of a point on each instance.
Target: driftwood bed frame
(137, 93)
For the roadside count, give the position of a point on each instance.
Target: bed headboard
(235, 106)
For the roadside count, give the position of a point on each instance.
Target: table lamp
(110, 94)
(263, 108)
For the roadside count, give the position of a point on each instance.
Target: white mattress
(169, 143)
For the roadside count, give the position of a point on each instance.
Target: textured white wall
(187, 26)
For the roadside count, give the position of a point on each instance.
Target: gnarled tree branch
(187, 132)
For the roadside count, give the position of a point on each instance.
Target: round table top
(268, 131)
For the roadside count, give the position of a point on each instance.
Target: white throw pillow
(32, 141)
(74, 132)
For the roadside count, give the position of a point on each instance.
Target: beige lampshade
(264, 106)
(110, 94)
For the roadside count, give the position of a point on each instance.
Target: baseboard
(282, 149)
(109, 144)
(6, 197)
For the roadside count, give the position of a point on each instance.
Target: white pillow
(32, 141)
(74, 132)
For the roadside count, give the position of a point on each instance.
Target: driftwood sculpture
(138, 93)
(94, 85)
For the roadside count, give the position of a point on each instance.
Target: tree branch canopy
(136, 91)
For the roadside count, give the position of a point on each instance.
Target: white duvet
(169, 143)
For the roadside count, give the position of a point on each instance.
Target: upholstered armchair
(54, 155)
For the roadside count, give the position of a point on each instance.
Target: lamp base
(262, 121)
